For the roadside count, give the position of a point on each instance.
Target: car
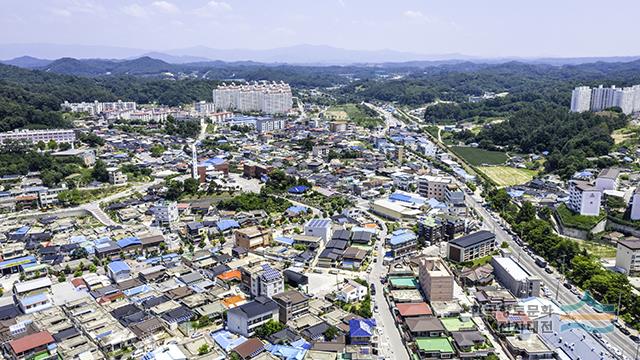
(575, 292)
(548, 270)
(598, 335)
(333, 272)
(317, 271)
(635, 338)
(625, 331)
(568, 286)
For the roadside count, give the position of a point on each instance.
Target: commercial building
(119, 271)
(262, 280)
(320, 228)
(473, 246)
(436, 279)
(628, 256)
(292, 304)
(515, 278)
(269, 98)
(246, 318)
(270, 124)
(34, 136)
(394, 210)
(165, 212)
(253, 237)
(584, 198)
(433, 186)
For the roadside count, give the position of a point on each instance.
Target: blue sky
(472, 27)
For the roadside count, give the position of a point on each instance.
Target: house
(351, 291)
(353, 257)
(249, 349)
(362, 331)
(424, 326)
(407, 310)
(246, 318)
(119, 271)
(253, 237)
(320, 228)
(471, 344)
(33, 295)
(292, 304)
(435, 348)
(470, 247)
(40, 345)
(584, 198)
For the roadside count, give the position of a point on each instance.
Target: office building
(35, 136)
(269, 98)
(436, 279)
(515, 278)
(473, 246)
(584, 198)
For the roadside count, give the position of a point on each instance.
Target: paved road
(390, 342)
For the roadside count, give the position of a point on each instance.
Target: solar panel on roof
(269, 273)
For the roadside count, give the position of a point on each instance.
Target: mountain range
(33, 55)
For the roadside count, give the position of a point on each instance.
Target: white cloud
(165, 7)
(213, 8)
(70, 7)
(414, 14)
(135, 10)
(61, 12)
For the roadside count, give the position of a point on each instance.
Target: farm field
(477, 157)
(507, 176)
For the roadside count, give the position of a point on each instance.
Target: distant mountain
(98, 67)
(27, 62)
(176, 59)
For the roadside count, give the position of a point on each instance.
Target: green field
(598, 249)
(507, 176)
(360, 115)
(582, 222)
(476, 156)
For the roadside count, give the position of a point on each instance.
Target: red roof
(413, 309)
(32, 341)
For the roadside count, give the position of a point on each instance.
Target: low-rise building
(320, 228)
(628, 256)
(246, 318)
(351, 291)
(403, 242)
(584, 198)
(436, 279)
(253, 237)
(292, 304)
(515, 278)
(473, 246)
(116, 177)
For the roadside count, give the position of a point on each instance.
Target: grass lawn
(476, 156)
(597, 249)
(582, 222)
(507, 176)
(358, 115)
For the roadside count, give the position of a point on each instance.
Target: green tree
(526, 213)
(100, 172)
(203, 349)
(191, 186)
(269, 328)
(331, 333)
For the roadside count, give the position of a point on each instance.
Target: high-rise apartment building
(269, 98)
(584, 98)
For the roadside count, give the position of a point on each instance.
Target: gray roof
(473, 239)
(467, 338)
(261, 305)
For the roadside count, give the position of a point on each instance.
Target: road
(390, 344)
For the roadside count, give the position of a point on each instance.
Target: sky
(487, 28)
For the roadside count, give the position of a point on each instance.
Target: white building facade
(269, 98)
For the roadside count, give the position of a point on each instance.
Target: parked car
(548, 270)
(635, 338)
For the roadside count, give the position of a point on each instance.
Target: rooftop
(433, 344)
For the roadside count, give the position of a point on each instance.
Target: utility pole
(619, 303)
(560, 279)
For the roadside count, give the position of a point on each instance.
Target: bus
(541, 262)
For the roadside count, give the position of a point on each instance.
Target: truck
(541, 262)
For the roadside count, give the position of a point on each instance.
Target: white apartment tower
(581, 99)
(269, 98)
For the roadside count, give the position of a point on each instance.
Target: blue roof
(298, 189)
(118, 266)
(361, 327)
(284, 240)
(515, 193)
(286, 352)
(401, 237)
(406, 198)
(301, 344)
(212, 162)
(270, 273)
(129, 241)
(435, 204)
(223, 225)
(227, 340)
(21, 231)
(137, 290)
(321, 223)
(18, 261)
(297, 209)
(30, 300)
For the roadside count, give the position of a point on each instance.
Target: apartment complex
(433, 187)
(269, 124)
(253, 237)
(269, 98)
(94, 108)
(245, 319)
(262, 280)
(584, 98)
(628, 256)
(515, 278)
(34, 136)
(436, 279)
(292, 304)
(473, 246)
(584, 198)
